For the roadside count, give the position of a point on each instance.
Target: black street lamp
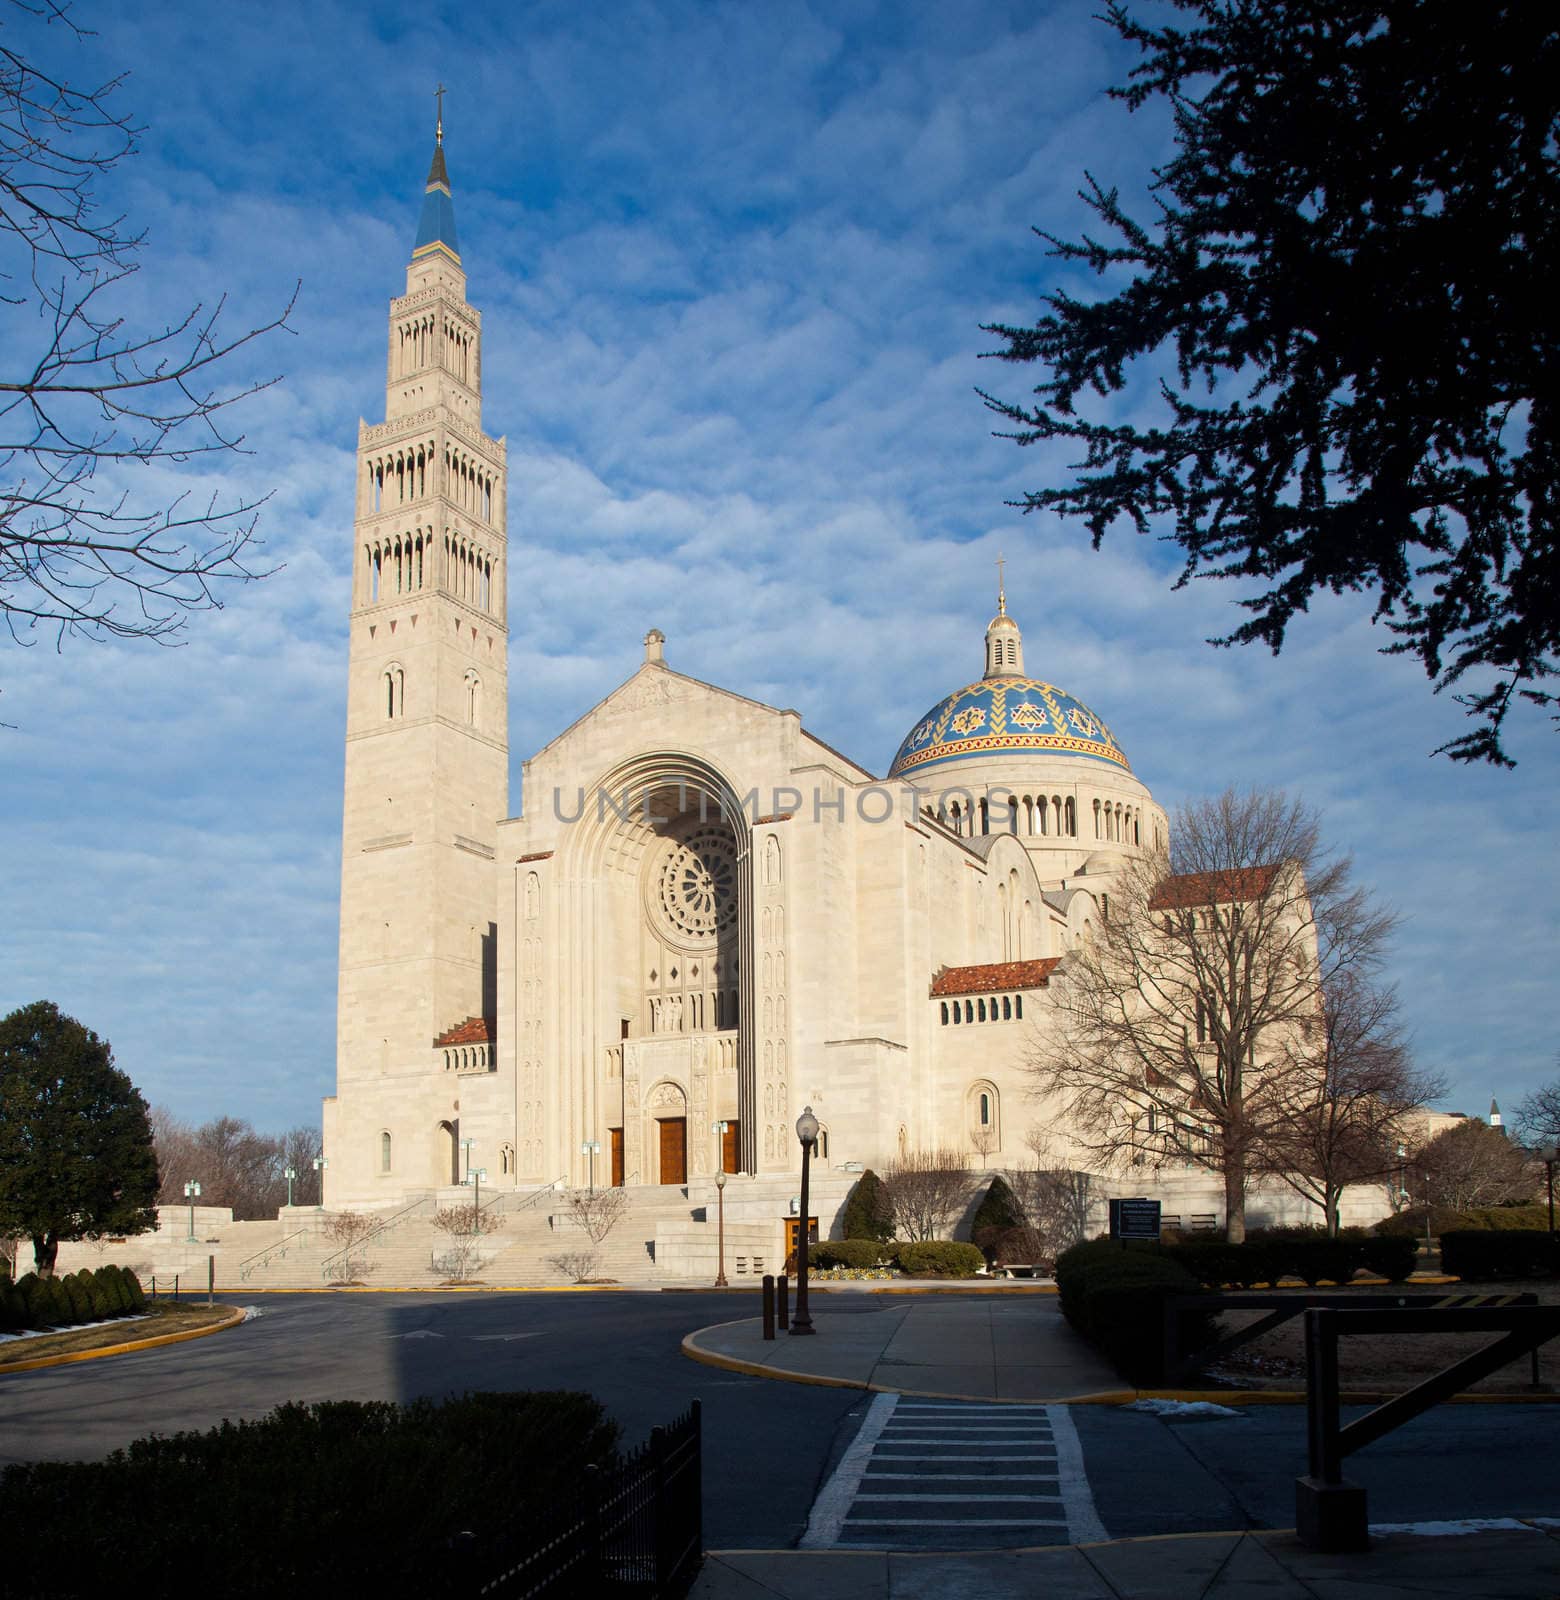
(807, 1132)
(1549, 1157)
(720, 1202)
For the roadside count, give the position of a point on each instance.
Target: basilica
(702, 917)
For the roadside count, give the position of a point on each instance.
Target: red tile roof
(1212, 888)
(995, 975)
(474, 1030)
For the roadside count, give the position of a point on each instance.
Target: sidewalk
(1519, 1561)
(1003, 1347)
(1019, 1348)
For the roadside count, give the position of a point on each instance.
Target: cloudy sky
(732, 261)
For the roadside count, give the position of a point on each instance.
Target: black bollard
(782, 1301)
(769, 1306)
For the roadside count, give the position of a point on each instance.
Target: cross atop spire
(1001, 589)
(438, 127)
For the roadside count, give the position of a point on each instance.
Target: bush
(1499, 1253)
(13, 1308)
(137, 1293)
(867, 1212)
(939, 1258)
(70, 1303)
(112, 1288)
(337, 1493)
(1115, 1299)
(1483, 1218)
(1311, 1254)
(1391, 1256)
(1217, 1264)
(846, 1253)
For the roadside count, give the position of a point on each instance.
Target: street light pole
(1427, 1221)
(1549, 1157)
(807, 1133)
(320, 1164)
(720, 1203)
(591, 1148)
(468, 1144)
(720, 1129)
(192, 1194)
(292, 1172)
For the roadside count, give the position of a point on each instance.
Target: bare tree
(1536, 1121)
(1056, 1199)
(1473, 1164)
(1177, 1012)
(983, 1141)
(94, 398)
(465, 1227)
(927, 1192)
(351, 1231)
(596, 1211)
(1341, 1102)
(236, 1166)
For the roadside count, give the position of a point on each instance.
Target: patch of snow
(73, 1327)
(250, 1312)
(1181, 1408)
(1447, 1530)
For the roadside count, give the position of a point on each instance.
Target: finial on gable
(655, 648)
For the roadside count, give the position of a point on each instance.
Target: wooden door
(674, 1149)
(793, 1229)
(731, 1147)
(616, 1136)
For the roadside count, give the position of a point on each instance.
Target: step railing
(263, 1258)
(394, 1220)
(500, 1203)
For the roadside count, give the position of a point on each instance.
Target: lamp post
(720, 1204)
(591, 1148)
(1427, 1221)
(477, 1175)
(320, 1164)
(192, 1194)
(1549, 1157)
(290, 1174)
(807, 1132)
(720, 1130)
(468, 1144)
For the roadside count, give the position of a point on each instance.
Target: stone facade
(702, 915)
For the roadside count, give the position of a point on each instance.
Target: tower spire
(1004, 642)
(436, 225)
(1001, 586)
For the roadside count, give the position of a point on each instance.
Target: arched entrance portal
(446, 1153)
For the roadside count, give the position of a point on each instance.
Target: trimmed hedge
(99, 1295)
(939, 1258)
(1115, 1298)
(847, 1253)
(1391, 1256)
(1500, 1253)
(366, 1496)
(1443, 1219)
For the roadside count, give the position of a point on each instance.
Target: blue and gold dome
(1005, 716)
(1005, 713)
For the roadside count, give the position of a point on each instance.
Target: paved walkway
(1008, 1347)
(1012, 1348)
(1519, 1562)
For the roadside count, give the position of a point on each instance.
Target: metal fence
(635, 1529)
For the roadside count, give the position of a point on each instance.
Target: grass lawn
(159, 1319)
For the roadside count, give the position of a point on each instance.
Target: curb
(72, 1356)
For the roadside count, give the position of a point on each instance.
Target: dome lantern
(1004, 641)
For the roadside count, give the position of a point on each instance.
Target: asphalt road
(766, 1443)
(769, 1446)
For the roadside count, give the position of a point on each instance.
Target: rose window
(697, 884)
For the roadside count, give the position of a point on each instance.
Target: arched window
(980, 1010)
(821, 1149)
(1097, 833)
(1018, 1007)
(1072, 818)
(473, 699)
(1007, 1008)
(506, 1160)
(982, 1116)
(945, 1013)
(384, 1152)
(395, 691)
(958, 1015)
(985, 1110)
(969, 1011)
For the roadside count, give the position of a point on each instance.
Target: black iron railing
(634, 1529)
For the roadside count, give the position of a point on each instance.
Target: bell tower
(427, 747)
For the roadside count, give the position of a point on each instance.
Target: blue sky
(732, 260)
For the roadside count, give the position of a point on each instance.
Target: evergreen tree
(76, 1157)
(1344, 300)
(867, 1212)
